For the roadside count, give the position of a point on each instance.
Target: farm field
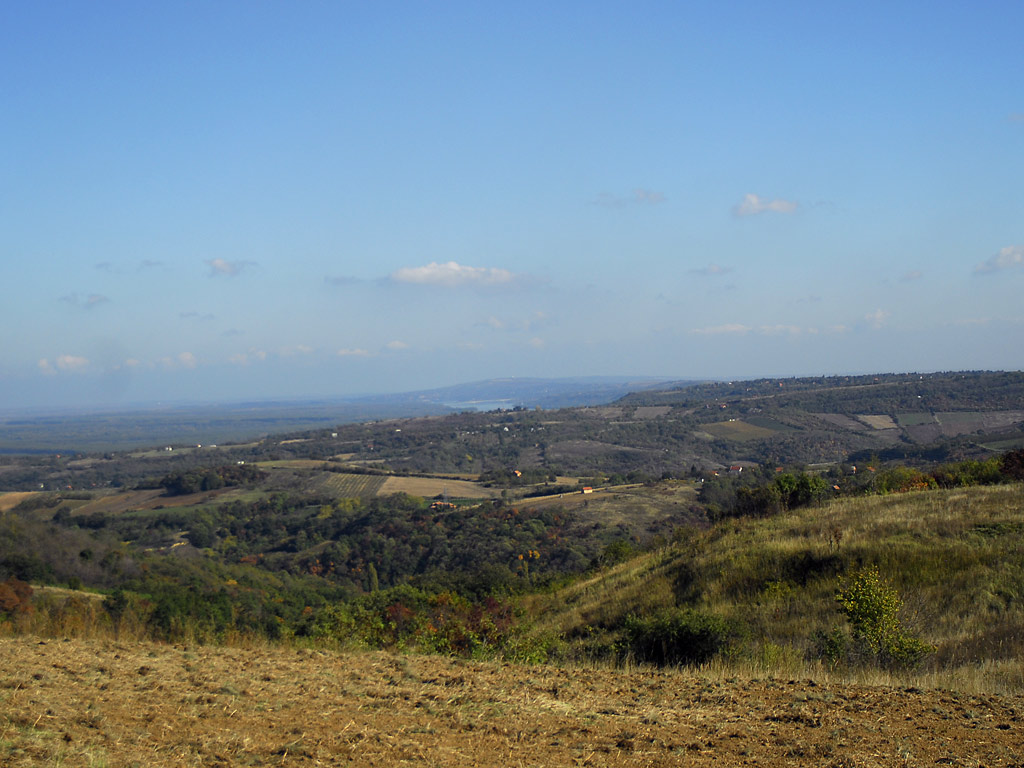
(82, 703)
(736, 430)
(346, 486)
(434, 486)
(13, 499)
(877, 421)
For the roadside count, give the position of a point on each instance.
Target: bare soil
(80, 703)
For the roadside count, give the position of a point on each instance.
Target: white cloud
(72, 363)
(715, 330)
(451, 274)
(877, 318)
(780, 330)
(67, 363)
(181, 360)
(88, 302)
(193, 315)
(353, 353)
(397, 346)
(298, 349)
(244, 358)
(754, 204)
(536, 342)
(225, 268)
(1009, 257)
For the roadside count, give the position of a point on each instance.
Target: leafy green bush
(678, 636)
(872, 608)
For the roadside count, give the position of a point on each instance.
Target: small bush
(872, 607)
(675, 637)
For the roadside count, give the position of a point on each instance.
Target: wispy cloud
(639, 196)
(396, 346)
(245, 358)
(784, 330)
(295, 350)
(193, 315)
(225, 268)
(85, 302)
(755, 204)
(779, 329)
(537, 320)
(877, 318)
(711, 270)
(451, 274)
(356, 352)
(181, 360)
(911, 276)
(1008, 258)
(728, 328)
(66, 363)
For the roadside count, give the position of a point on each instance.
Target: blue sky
(209, 201)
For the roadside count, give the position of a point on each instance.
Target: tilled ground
(74, 703)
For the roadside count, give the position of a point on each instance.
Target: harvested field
(346, 486)
(434, 486)
(840, 420)
(652, 411)
(914, 419)
(129, 501)
(877, 421)
(13, 499)
(965, 422)
(80, 703)
(737, 430)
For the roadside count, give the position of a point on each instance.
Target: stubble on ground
(78, 703)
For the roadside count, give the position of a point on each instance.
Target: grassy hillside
(769, 586)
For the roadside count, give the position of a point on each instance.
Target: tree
(872, 607)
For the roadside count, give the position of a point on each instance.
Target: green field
(914, 419)
(737, 430)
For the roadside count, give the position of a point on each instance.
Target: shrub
(872, 607)
(679, 636)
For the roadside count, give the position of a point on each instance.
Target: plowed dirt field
(76, 703)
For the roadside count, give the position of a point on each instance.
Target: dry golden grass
(954, 557)
(13, 499)
(434, 486)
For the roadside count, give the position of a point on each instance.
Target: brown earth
(80, 703)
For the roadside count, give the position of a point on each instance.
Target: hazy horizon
(252, 201)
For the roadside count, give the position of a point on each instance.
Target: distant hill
(110, 430)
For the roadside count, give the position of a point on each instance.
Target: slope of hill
(767, 589)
